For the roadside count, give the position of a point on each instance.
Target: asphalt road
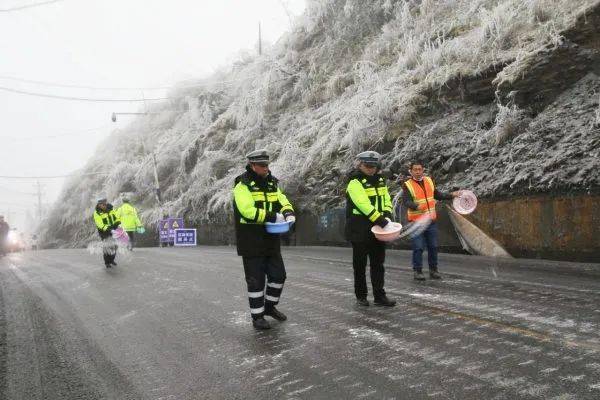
(174, 324)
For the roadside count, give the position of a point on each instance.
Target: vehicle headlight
(13, 238)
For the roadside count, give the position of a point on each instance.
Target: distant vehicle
(15, 241)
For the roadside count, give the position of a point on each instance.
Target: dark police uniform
(106, 221)
(368, 203)
(258, 200)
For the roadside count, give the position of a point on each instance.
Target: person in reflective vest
(106, 220)
(129, 220)
(368, 203)
(257, 199)
(419, 199)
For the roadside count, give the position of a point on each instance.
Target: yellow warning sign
(175, 225)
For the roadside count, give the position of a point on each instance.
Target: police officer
(368, 203)
(130, 221)
(106, 220)
(258, 199)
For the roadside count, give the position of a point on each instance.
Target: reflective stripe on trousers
(265, 277)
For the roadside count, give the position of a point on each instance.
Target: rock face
(499, 96)
(540, 134)
(554, 151)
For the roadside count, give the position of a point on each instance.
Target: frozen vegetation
(497, 95)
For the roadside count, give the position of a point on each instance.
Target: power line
(66, 85)
(88, 87)
(72, 86)
(10, 204)
(29, 6)
(27, 138)
(15, 191)
(88, 99)
(103, 100)
(53, 176)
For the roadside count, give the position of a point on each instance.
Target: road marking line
(541, 336)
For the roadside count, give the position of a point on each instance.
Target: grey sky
(108, 43)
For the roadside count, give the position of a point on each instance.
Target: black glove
(387, 214)
(412, 205)
(381, 221)
(287, 213)
(271, 216)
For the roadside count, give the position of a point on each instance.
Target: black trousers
(256, 269)
(131, 235)
(375, 251)
(109, 250)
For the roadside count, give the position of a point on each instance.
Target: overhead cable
(53, 176)
(104, 100)
(67, 85)
(180, 85)
(2, 188)
(19, 8)
(28, 138)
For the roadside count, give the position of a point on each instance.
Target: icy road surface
(173, 324)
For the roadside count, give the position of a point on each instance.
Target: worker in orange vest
(419, 198)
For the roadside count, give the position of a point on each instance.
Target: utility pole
(154, 165)
(39, 197)
(156, 183)
(144, 148)
(259, 40)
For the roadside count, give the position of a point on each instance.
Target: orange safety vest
(424, 199)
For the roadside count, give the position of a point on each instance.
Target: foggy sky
(108, 43)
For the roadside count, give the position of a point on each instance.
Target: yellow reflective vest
(129, 217)
(369, 196)
(256, 205)
(257, 200)
(424, 197)
(367, 202)
(105, 219)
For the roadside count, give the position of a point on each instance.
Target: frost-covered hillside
(497, 95)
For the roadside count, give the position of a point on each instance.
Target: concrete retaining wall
(553, 227)
(561, 228)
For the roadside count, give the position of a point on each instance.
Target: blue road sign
(174, 223)
(185, 237)
(163, 231)
(166, 229)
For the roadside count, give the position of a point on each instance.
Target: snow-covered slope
(497, 95)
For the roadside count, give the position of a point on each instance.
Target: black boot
(362, 301)
(433, 274)
(275, 313)
(261, 323)
(108, 265)
(419, 276)
(384, 301)
(113, 263)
